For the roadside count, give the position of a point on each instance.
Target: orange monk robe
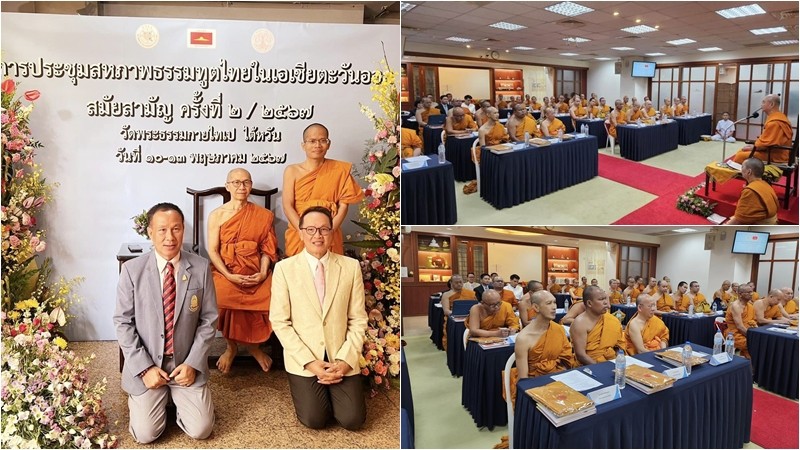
(667, 111)
(580, 111)
(758, 203)
(555, 288)
(625, 108)
(463, 294)
(725, 297)
(497, 135)
(615, 297)
(503, 318)
(791, 307)
(532, 313)
(654, 333)
(603, 111)
(556, 125)
(777, 131)
(701, 304)
(665, 303)
(612, 129)
(594, 110)
(410, 141)
(577, 292)
(636, 115)
(651, 290)
(563, 108)
(536, 106)
(584, 102)
(604, 337)
(651, 112)
(773, 312)
(683, 305)
(502, 105)
(552, 353)
(749, 321)
(244, 311)
(528, 125)
(680, 110)
(467, 122)
(509, 297)
(327, 186)
(429, 112)
(755, 296)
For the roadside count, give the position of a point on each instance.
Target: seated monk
(788, 304)
(492, 132)
(679, 109)
(777, 131)
(577, 111)
(739, 317)
(526, 310)
(767, 310)
(614, 292)
(758, 203)
(596, 333)
(756, 295)
(424, 111)
(631, 291)
(576, 308)
(412, 144)
(723, 294)
(535, 105)
(652, 287)
(456, 293)
(648, 111)
(551, 125)
(617, 117)
(459, 123)
(562, 106)
(317, 181)
(242, 247)
(645, 331)
(603, 109)
(666, 110)
(576, 291)
(680, 298)
(487, 317)
(636, 113)
(542, 347)
(665, 302)
(520, 123)
(698, 299)
(553, 287)
(505, 295)
(501, 103)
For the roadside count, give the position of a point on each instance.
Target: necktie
(319, 282)
(168, 298)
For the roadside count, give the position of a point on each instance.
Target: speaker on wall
(709, 244)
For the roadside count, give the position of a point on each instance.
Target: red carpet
(727, 195)
(774, 423)
(641, 176)
(662, 211)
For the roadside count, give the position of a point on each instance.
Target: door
(725, 101)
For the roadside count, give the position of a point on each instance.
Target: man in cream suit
(165, 319)
(318, 313)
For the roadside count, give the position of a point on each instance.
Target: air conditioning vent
(572, 23)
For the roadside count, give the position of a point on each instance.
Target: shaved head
(238, 171)
(315, 125)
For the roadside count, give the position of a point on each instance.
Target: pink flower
(8, 86)
(26, 219)
(20, 173)
(14, 241)
(379, 295)
(27, 203)
(34, 241)
(41, 246)
(15, 158)
(396, 171)
(378, 379)
(32, 95)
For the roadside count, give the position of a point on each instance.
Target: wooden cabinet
(434, 258)
(508, 83)
(404, 87)
(562, 262)
(417, 287)
(471, 256)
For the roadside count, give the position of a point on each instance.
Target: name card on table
(719, 358)
(605, 395)
(677, 373)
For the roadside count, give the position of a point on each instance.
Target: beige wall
(461, 82)
(523, 260)
(538, 81)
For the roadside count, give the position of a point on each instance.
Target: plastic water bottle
(527, 137)
(691, 308)
(442, 155)
(560, 135)
(628, 300)
(687, 357)
(718, 342)
(566, 304)
(714, 306)
(729, 347)
(619, 365)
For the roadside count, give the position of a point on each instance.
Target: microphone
(754, 115)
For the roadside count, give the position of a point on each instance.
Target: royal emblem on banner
(201, 38)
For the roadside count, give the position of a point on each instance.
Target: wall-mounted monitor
(643, 69)
(750, 242)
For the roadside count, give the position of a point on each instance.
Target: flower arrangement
(692, 203)
(380, 211)
(140, 224)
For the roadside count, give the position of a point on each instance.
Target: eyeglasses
(492, 306)
(239, 183)
(318, 141)
(311, 231)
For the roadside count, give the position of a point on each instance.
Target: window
(778, 267)
(758, 80)
(569, 81)
(636, 261)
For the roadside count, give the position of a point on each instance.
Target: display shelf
(434, 258)
(508, 82)
(562, 262)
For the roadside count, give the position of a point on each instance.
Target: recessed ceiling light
(488, 48)
(522, 47)
(622, 48)
(709, 49)
(512, 232)
(638, 29)
(507, 26)
(469, 46)
(638, 20)
(405, 7)
(576, 39)
(769, 30)
(657, 27)
(568, 54)
(459, 39)
(792, 41)
(684, 230)
(507, 50)
(655, 54)
(681, 41)
(603, 59)
(741, 11)
(616, 13)
(569, 9)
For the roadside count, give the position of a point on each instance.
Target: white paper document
(782, 330)
(716, 218)
(577, 380)
(697, 354)
(631, 361)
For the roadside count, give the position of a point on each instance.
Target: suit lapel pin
(184, 278)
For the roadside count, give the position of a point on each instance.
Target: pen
(589, 372)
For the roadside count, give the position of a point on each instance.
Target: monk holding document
(645, 331)
(456, 293)
(596, 333)
(777, 131)
(490, 315)
(739, 317)
(242, 246)
(317, 181)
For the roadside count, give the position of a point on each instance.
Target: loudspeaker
(709, 244)
(617, 67)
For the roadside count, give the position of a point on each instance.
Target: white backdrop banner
(135, 110)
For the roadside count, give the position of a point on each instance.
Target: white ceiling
(430, 23)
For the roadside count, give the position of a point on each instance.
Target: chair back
(436, 119)
(504, 113)
(462, 307)
(509, 401)
(466, 338)
(476, 149)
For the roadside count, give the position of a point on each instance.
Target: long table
(436, 321)
(482, 386)
(431, 138)
(458, 151)
(774, 359)
(406, 399)
(429, 194)
(567, 120)
(455, 346)
(690, 129)
(597, 129)
(695, 329)
(712, 408)
(640, 143)
(512, 178)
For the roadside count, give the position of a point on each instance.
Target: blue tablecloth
(505, 112)
(410, 124)
(429, 195)
(774, 359)
(628, 310)
(458, 152)
(436, 322)
(711, 409)
(455, 346)
(482, 385)
(536, 114)
(596, 129)
(406, 433)
(567, 119)
(697, 330)
(431, 138)
(690, 130)
(561, 298)
(406, 399)
(432, 300)
(640, 143)
(516, 177)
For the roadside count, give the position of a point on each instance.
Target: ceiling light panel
(639, 29)
(568, 54)
(768, 30)
(683, 41)
(577, 39)
(710, 49)
(569, 9)
(789, 42)
(522, 47)
(405, 7)
(458, 39)
(655, 54)
(741, 11)
(508, 26)
(622, 48)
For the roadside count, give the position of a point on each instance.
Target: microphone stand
(725, 139)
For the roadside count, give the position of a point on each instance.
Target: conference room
(692, 78)
(735, 391)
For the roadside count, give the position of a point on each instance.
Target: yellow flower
(383, 178)
(60, 342)
(393, 340)
(14, 315)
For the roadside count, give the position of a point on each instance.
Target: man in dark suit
(166, 317)
(486, 285)
(444, 104)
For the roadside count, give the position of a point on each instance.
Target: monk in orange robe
(614, 292)
(680, 299)
(667, 110)
(459, 123)
(777, 131)
(595, 333)
(767, 311)
(617, 117)
(520, 123)
(553, 286)
(636, 113)
(724, 293)
(758, 203)
(412, 144)
(577, 111)
(317, 181)
(242, 247)
(455, 294)
(645, 332)
(698, 299)
(489, 315)
(424, 111)
(603, 109)
(492, 132)
(665, 303)
(526, 310)
(789, 303)
(739, 317)
(551, 124)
